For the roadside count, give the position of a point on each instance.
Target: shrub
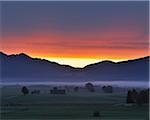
(24, 90)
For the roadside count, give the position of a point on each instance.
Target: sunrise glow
(76, 34)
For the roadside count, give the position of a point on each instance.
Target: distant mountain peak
(107, 62)
(20, 55)
(16, 55)
(1, 53)
(24, 55)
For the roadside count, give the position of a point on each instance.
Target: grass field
(74, 105)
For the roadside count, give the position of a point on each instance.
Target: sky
(76, 33)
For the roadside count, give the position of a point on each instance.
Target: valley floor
(72, 106)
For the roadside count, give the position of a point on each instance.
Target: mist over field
(126, 84)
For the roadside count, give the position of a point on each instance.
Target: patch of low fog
(137, 84)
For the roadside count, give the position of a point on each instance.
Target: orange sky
(77, 51)
(76, 33)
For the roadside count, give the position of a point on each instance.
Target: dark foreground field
(72, 106)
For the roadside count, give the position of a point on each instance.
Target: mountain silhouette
(21, 67)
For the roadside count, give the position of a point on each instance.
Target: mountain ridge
(104, 61)
(22, 66)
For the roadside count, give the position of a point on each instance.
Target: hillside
(22, 67)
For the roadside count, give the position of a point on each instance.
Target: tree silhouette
(134, 95)
(90, 87)
(141, 97)
(129, 97)
(76, 89)
(107, 89)
(24, 90)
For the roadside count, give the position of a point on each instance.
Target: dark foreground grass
(69, 111)
(78, 106)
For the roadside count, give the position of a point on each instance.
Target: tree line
(138, 97)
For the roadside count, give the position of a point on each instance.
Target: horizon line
(50, 60)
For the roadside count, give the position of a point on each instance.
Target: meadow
(70, 106)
